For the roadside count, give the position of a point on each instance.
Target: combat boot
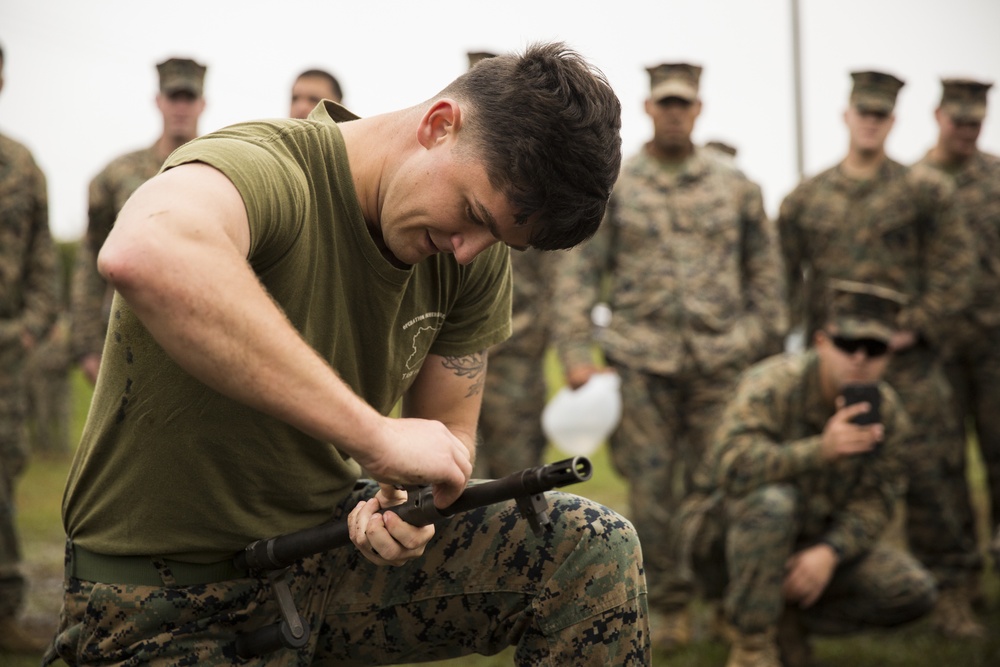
(670, 631)
(15, 638)
(953, 616)
(793, 640)
(756, 650)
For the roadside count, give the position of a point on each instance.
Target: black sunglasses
(872, 347)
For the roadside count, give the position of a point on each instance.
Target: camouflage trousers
(739, 555)
(939, 519)
(974, 372)
(575, 596)
(510, 422)
(47, 397)
(13, 459)
(664, 431)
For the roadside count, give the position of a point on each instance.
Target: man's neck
(166, 145)
(939, 155)
(670, 154)
(367, 160)
(862, 165)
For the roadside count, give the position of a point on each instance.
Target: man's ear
(697, 107)
(441, 121)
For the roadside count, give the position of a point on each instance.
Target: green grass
(39, 496)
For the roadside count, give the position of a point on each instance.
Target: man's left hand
(807, 574)
(385, 539)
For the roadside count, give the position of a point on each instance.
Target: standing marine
(689, 264)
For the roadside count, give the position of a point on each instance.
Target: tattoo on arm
(472, 366)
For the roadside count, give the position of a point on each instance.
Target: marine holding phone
(800, 483)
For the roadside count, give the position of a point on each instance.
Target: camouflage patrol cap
(476, 56)
(964, 99)
(863, 310)
(674, 80)
(875, 91)
(181, 74)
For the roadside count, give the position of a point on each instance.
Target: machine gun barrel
(418, 510)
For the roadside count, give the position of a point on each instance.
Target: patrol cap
(875, 91)
(674, 80)
(476, 56)
(863, 310)
(181, 74)
(964, 99)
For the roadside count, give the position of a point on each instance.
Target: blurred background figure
(724, 150)
(692, 272)
(27, 312)
(972, 353)
(181, 103)
(309, 88)
(46, 374)
(510, 423)
(790, 504)
(872, 219)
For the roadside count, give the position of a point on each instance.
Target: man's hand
(28, 340)
(843, 438)
(385, 539)
(902, 340)
(419, 451)
(807, 574)
(90, 365)
(577, 376)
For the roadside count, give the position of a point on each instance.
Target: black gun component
(526, 487)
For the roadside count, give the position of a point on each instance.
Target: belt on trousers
(145, 570)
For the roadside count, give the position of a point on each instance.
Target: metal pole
(797, 90)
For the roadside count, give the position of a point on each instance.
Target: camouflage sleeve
(577, 279)
(87, 295)
(792, 244)
(862, 521)
(949, 259)
(101, 211)
(39, 289)
(764, 277)
(749, 450)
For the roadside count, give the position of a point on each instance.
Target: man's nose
(470, 243)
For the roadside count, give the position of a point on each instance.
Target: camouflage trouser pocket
(134, 625)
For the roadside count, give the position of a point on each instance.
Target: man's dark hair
(547, 126)
(323, 74)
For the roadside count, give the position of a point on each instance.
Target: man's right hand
(90, 365)
(842, 438)
(419, 451)
(577, 376)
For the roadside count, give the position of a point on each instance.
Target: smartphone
(864, 393)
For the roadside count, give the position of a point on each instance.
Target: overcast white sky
(80, 74)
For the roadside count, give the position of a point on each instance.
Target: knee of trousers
(602, 559)
(913, 601)
(772, 508)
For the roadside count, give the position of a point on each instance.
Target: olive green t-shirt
(168, 466)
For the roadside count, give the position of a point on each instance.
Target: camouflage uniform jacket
(903, 229)
(109, 191)
(28, 278)
(978, 192)
(532, 275)
(771, 432)
(693, 272)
